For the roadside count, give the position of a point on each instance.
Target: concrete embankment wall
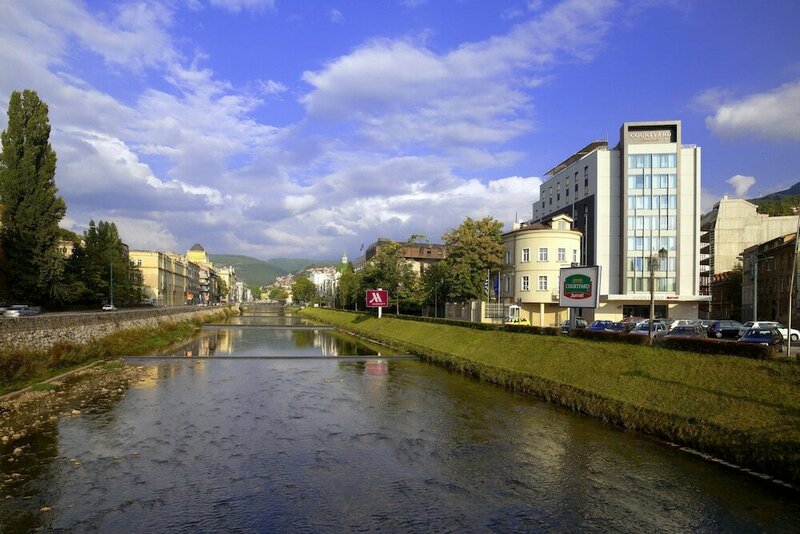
(44, 331)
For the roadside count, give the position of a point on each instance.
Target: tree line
(473, 249)
(41, 263)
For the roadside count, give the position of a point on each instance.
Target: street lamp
(655, 260)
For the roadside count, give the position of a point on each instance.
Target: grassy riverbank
(20, 368)
(744, 411)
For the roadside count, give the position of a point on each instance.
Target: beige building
(729, 228)
(208, 290)
(166, 277)
(534, 255)
(630, 201)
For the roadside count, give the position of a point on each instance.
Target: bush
(714, 346)
(601, 335)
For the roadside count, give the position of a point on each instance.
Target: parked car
(770, 324)
(579, 323)
(643, 329)
(617, 327)
(682, 322)
(764, 336)
(692, 330)
(631, 322)
(705, 323)
(109, 307)
(599, 325)
(724, 329)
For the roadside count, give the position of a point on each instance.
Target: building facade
(729, 228)
(630, 202)
(165, 277)
(767, 279)
(419, 255)
(530, 275)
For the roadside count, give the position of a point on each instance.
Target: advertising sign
(377, 298)
(580, 287)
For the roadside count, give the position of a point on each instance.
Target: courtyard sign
(580, 287)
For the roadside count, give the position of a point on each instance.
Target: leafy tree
(105, 267)
(32, 265)
(388, 269)
(435, 286)
(349, 287)
(303, 290)
(473, 249)
(222, 287)
(278, 293)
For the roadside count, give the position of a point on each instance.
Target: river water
(264, 426)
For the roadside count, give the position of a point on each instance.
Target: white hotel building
(631, 201)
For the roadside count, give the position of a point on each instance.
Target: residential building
(534, 254)
(630, 202)
(208, 292)
(766, 280)
(165, 277)
(730, 227)
(419, 255)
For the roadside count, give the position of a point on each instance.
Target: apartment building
(534, 254)
(165, 276)
(631, 201)
(733, 225)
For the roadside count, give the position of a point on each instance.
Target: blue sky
(303, 129)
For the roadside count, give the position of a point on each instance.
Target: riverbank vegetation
(21, 367)
(741, 410)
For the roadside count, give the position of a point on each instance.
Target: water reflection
(331, 444)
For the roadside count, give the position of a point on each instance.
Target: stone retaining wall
(44, 331)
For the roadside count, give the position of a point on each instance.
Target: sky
(308, 129)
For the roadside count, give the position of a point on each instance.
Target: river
(266, 424)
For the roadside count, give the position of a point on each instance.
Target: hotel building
(630, 202)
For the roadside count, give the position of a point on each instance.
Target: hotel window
(526, 283)
(508, 257)
(543, 283)
(543, 254)
(585, 177)
(639, 161)
(562, 255)
(526, 254)
(566, 187)
(558, 191)
(574, 255)
(664, 161)
(508, 283)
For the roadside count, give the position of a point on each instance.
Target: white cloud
(146, 235)
(400, 93)
(771, 115)
(741, 184)
(235, 6)
(336, 16)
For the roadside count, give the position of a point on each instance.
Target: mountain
(257, 272)
(781, 203)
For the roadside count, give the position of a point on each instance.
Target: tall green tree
(389, 269)
(32, 265)
(435, 286)
(349, 287)
(303, 290)
(473, 249)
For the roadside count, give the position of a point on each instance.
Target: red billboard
(377, 298)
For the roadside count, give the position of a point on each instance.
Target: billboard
(580, 287)
(377, 298)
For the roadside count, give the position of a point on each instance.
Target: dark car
(764, 336)
(599, 325)
(724, 329)
(687, 331)
(617, 327)
(579, 323)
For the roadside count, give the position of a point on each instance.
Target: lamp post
(655, 259)
(756, 257)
